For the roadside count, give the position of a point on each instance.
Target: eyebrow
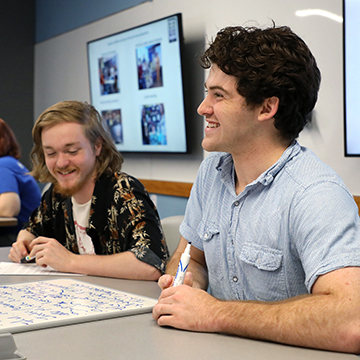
(216, 87)
(65, 146)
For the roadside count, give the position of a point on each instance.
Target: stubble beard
(67, 192)
(71, 191)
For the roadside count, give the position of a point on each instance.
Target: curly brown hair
(269, 62)
(109, 160)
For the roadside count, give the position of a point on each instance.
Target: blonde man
(94, 219)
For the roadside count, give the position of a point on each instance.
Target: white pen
(183, 265)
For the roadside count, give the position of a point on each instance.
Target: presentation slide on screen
(136, 85)
(352, 76)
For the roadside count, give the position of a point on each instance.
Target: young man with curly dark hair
(275, 234)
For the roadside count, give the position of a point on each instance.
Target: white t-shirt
(81, 214)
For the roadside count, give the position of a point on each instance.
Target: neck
(250, 164)
(85, 194)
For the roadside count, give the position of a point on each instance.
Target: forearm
(123, 265)
(316, 321)
(328, 318)
(9, 204)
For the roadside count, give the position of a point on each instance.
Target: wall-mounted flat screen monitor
(136, 83)
(351, 14)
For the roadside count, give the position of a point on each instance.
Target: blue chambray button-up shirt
(295, 222)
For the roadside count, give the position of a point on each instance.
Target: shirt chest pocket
(264, 273)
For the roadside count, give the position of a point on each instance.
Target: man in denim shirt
(275, 233)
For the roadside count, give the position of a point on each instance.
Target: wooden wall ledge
(171, 188)
(357, 200)
(183, 189)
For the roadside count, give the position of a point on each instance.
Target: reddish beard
(71, 191)
(67, 192)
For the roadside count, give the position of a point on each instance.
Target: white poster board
(49, 303)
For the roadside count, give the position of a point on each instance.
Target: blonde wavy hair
(109, 160)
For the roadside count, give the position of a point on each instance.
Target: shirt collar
(225, 166)
(268, 176)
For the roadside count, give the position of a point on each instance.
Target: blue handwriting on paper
(36, 303)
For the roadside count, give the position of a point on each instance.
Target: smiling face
(71, 159)
(231, 124)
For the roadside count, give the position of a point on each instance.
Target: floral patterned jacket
(122, 218)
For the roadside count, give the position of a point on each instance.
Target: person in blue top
(19, 192)
(274, 232)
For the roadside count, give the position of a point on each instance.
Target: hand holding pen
(45, 251)
(49, 252)
(184, 307)
(182, 276)
(22, 247)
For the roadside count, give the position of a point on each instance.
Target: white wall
(61, 71)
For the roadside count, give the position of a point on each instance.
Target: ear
(269, 108)
(98, 146)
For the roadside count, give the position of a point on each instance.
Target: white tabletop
(139, 337)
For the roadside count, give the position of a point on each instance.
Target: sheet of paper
(11, 268)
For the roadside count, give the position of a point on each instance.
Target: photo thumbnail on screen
(108, 75)
(112, 119)
(153, 125)
(149, 66)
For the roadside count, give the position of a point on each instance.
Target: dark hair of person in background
(8, 143)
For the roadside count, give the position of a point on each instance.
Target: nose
(62, 161)
(205, 107)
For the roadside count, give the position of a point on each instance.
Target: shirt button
(206, 235)
(236, 203)
(235, 279)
